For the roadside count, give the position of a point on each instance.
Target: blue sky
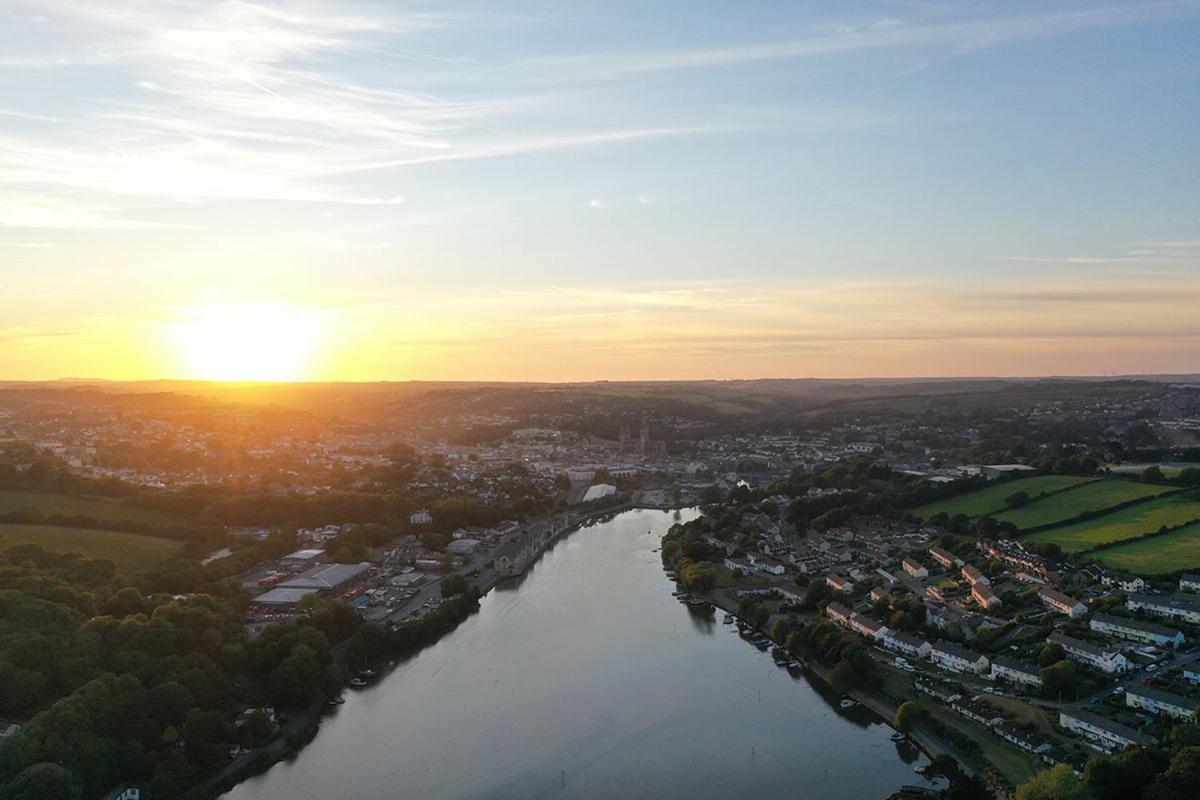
(606, 190)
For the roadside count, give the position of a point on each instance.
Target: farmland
(1067, 505)
(129, 551)
(1127, 523)
(986, 501)
(1167, 553)
(101, 508)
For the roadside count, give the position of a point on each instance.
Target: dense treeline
(122, 684)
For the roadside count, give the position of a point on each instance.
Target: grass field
(1089, 497)
(102, 508)
(129, 551)
(1128, 523)
(985, 501)
(1167, 553)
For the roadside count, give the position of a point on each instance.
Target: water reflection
(586, 683)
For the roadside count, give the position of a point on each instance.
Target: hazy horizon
(372, 190)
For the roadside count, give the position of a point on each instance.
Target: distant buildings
(958, 659)
(972, 575)
(1059, 602)
(880, 595)
(1104, 732)
(838, 613)
(598, 492)
(303, 557)
(839, 583)
(907, 643)
(329, 578)
(1174, 607)
(1135, 629)
(982, 594)
(1189, 583)
(1014, 671)
(914, 569)
(1156, 701)
(422, 517)
(945, 558)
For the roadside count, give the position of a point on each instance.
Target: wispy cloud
(242, 101)
(956, 35)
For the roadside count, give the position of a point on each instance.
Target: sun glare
(247, 341)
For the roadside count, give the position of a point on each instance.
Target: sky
(576, 190)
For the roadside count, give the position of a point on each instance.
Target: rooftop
(327, 576)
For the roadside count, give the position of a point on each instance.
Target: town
(1012, 587)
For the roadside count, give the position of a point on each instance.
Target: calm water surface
(586, 679)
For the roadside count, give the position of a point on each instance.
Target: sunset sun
(247, 341)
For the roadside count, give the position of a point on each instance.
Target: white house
(1103, 732)
(1189, 583)
(1156, 701)
(958, 659)
(1107, 659)
(914, 569)
(1136, 629)
(1126, 583)
(1014, 671)
(870, 628)
(1176, 607)
(907, 643)
(421, 517)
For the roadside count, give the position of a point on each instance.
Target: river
(587, 679)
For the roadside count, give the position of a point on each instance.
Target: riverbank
(926, 741)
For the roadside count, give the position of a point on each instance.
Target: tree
(42, 781)
(780, 630)
(1017, 499)
(761, 615)
(1058, 679)
(1051, 653)
(1121, 776)
(295, 681)
(1153, 474)
(1056, 783)
(986, 527)
(815, 593)
(453, 584)
(908, 715)
(968, 787)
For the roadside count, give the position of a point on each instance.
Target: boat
(795, 663)
(337, 701)
(847, 703)
(729, 618)
(762, 645)
(898, 737)
(357, 683)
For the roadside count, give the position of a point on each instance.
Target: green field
(129, 551)
(1073, 502)
(102, 508)
(1128, 523)
(1170, 552)
(985, 501)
